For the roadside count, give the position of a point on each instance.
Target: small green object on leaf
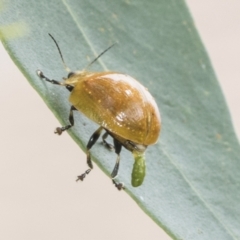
(139, 168)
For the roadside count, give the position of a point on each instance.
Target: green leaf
(192, 184)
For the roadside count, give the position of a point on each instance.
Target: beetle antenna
(94, 60)
(64, 64)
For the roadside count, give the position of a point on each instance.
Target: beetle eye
(70, 74)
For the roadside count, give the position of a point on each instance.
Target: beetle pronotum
(122, 107)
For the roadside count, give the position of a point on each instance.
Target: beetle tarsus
(119, 186)
(40, 73)
(82, 176)
(58, 131)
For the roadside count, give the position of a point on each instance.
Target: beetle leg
(81, 177)
(119, 186)
(91, 142)
(108, 145)
(59, 130)
(42, 76)
(118, 148)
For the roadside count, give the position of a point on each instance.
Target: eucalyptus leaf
(191, 189)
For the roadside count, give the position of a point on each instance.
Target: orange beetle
(121, 106)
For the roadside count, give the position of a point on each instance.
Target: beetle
(122, 107)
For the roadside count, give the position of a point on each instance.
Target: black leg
(91, 142)
(82, 176)
(59, 130)
(42, 76)
(108, 145)
(119, 186)
(118, 148)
